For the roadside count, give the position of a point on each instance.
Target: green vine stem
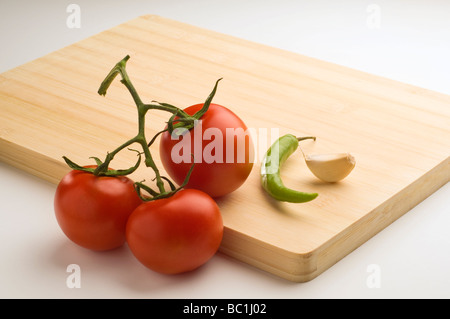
(179, 118)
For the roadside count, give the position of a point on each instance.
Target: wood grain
(399, 134)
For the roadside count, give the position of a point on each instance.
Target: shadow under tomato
(139, 279)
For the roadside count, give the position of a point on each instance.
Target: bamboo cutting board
(399, 134)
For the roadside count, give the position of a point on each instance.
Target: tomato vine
(179, 119)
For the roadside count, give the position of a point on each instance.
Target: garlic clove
(330, 167)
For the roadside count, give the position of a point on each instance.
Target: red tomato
(222, 148)
(175, 234)
(92, 211)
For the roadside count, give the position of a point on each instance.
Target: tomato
(92, 211)
(222, 148)
(175, 234)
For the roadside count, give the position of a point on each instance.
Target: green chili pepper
(274, 158)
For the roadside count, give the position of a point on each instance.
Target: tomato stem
(207, 103)
(178, 119)
(120, 68)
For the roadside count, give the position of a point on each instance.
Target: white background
(407, 41)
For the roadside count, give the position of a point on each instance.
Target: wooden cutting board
(399, 134)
